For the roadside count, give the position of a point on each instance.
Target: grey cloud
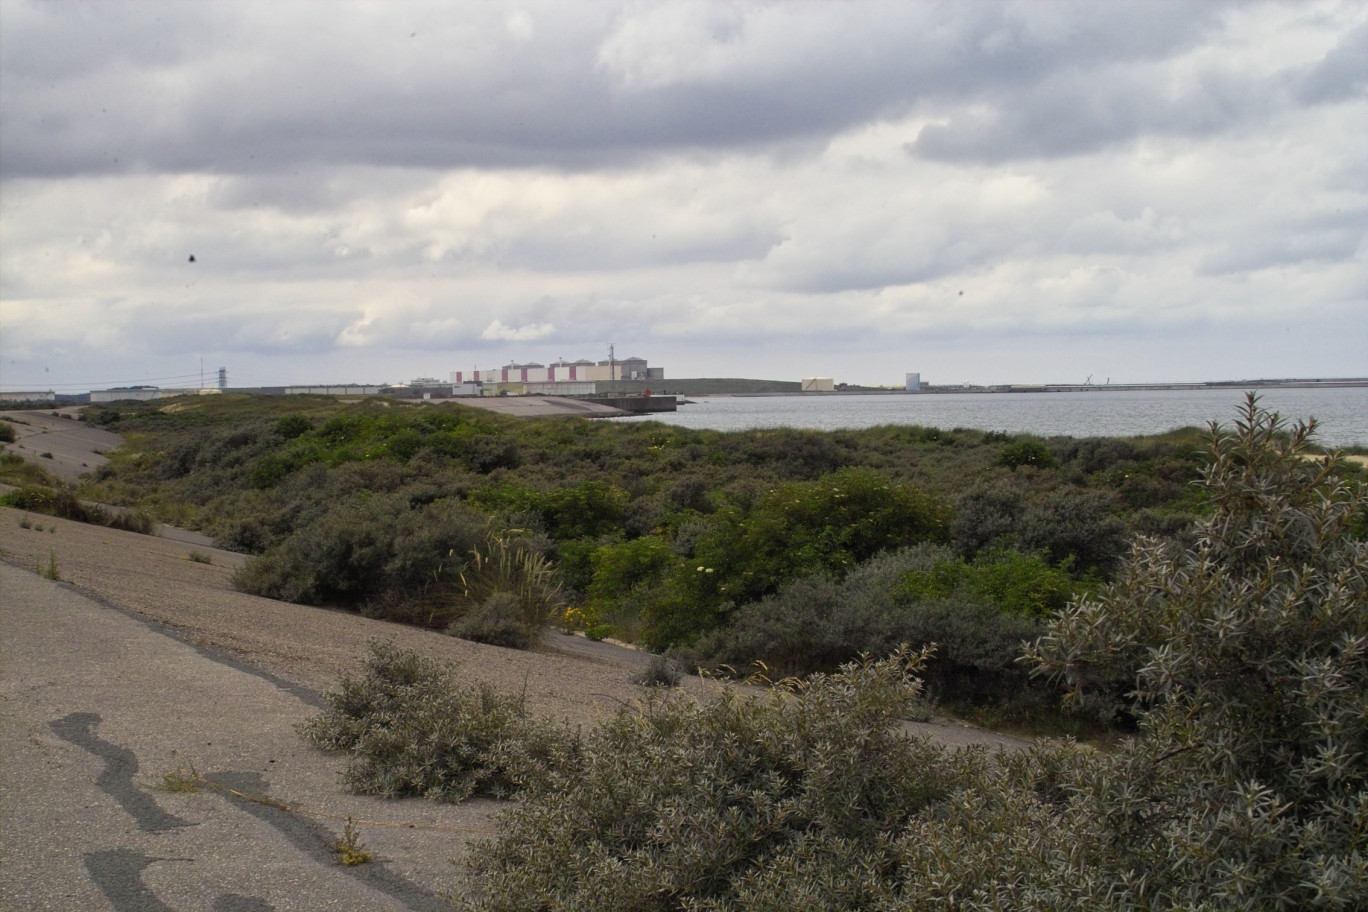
(232, 89)
(630, 244)
(1343, 73)
(267, 330)
(1080, 112)
(1323, 239)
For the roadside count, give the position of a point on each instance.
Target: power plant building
(560, 378)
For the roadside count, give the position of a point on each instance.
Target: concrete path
(55, 440)
(96, 706)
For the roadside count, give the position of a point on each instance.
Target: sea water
(1342, 413)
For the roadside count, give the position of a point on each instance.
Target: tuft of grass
(181, 780)
(51, 572)
(199, 557)
(16, 471)
(25, 522)
(60, 501)
(514, 593)
(348, 848)
(661, 672)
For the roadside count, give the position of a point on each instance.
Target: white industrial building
(347, 389)
(818, 385)
(147, 393)
(559, 378)
(29, 396)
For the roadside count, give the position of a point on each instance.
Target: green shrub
(986, 516)
(292, 426)
(7, 434)
(514, 594)
(1248, 657)
(678, 804)
(57, 501)
(486, 453)
(789, 453)
(660, 672)
(1245, 788)
(1021, 584)
(62, 502)
(16, 470)
(627, 568)
(128, 520)
(818, 623)
(585, 510)
(1026, 453)
(498, 621)
(372, 549)
(412, 728)
(1074, 528)
(798, 529)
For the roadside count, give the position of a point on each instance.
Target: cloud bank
(997, 192)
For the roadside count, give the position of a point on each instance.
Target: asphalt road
(97, 706)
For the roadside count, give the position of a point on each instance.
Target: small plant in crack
(348, 847)
(181, 780)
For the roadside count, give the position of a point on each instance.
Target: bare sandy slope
(153, 578)
(55, 440)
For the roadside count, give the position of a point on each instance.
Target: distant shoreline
(702, 387)
(933, 389)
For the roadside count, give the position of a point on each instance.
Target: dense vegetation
(1244, 656)
(798, 549)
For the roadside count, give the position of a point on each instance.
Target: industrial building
(346, 389)
(560, 378)
(29, 396)
(147, 393)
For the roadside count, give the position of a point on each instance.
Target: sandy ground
(55, 440)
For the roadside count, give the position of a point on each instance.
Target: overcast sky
(985, 192)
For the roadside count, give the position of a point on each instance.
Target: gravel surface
(55, 440)
(154, 579)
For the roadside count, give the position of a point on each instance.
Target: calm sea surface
(1342, 413)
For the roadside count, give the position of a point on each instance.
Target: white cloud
(528, 332)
